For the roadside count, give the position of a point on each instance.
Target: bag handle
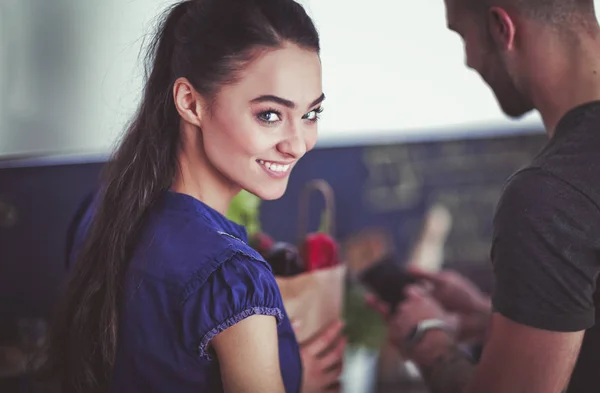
(326, 191)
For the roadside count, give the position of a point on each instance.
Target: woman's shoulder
(242, 286)
(186, 246)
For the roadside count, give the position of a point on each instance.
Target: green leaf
(245, 210)
(364, 326)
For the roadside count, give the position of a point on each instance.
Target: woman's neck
(198, 178)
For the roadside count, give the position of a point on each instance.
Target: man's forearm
(450, 372)
(474, 326)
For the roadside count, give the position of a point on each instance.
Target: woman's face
(259, 127)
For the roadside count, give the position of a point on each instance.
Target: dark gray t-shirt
(546, 244)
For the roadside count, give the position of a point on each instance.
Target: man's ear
(187, 101)
(502, 28)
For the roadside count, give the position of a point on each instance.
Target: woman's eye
(313, 115)
(269, 116)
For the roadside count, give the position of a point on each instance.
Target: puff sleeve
(239, 288)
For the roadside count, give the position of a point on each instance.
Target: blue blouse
(192, 276)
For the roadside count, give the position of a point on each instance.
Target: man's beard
(511, 100)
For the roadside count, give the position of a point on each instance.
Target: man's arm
(545, 262)
(521, 359)
(516, 359)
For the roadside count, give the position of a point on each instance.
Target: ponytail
(83, 338)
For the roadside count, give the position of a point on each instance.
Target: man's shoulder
(567, 167)
(573, 153)
(536, 197)
(537, 203)
(533, 187)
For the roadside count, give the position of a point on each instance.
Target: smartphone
(388, 280)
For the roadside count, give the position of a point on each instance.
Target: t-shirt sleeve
(239, 288)
(544, 253)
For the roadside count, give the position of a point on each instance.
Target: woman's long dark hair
(208, 42)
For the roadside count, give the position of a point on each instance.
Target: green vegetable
(364, 326)
(245, 210)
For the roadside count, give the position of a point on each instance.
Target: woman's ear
(187, 101)
(502, 28)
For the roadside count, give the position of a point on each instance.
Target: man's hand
(454, 291)
(417, 307)
(443, 366)
(470, 308)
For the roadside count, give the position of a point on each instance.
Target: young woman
(166, 295)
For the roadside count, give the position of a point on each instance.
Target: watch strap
(418, 332)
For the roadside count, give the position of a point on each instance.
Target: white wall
(70, 72)
(388, 66)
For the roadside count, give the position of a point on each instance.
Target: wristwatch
(416, 335)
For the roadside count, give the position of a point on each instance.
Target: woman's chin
(270, 192)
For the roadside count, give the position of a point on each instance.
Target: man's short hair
(552, 11)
